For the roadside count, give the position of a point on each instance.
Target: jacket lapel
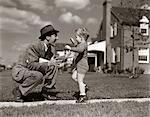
(42, 49)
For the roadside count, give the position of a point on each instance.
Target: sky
(21, 21)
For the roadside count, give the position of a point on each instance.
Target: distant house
(115, 29)
(2, 67)
(96, 54)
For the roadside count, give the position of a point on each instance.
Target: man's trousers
(34, 74)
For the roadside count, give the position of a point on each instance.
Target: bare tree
(133, 3)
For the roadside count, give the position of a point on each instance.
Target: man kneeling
(36, 65)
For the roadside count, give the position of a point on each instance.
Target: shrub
(138, 70)
(128, 70)
(120, 71)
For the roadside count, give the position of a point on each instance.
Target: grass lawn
(101, 86)
(103, 109)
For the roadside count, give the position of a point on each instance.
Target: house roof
(130, 16)
(99, 46)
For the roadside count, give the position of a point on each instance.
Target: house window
(143, 31)
(144, 26)
(113, 58)
(143, 58)
(111, 32)
(113, 29)
(143, 55)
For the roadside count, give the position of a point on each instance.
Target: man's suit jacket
(34, 52)
(31, 55)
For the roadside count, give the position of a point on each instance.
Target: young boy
(80, 66)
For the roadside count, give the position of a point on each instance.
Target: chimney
(106, 30)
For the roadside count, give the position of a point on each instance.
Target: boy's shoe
(82, 99)
(18, 95)
(131, 77)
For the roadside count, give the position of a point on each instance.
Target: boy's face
(78, 38)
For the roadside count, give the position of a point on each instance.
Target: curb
(64, 102)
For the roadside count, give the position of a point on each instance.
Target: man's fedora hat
(47, 30)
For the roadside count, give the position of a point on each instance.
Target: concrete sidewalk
(64, 102)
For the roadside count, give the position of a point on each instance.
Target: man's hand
(60, 65)
(52, 62)
(67, 54)
(42, 60)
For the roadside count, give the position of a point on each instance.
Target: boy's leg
(74, 76)
(82, 89)
(81, 84)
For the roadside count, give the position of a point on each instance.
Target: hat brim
(49, 33)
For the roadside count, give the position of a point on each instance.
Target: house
(127, 35)
(96, 54)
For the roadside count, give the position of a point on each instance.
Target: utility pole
(106, 33)
(133, 47)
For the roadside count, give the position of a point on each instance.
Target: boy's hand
(68, 47)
